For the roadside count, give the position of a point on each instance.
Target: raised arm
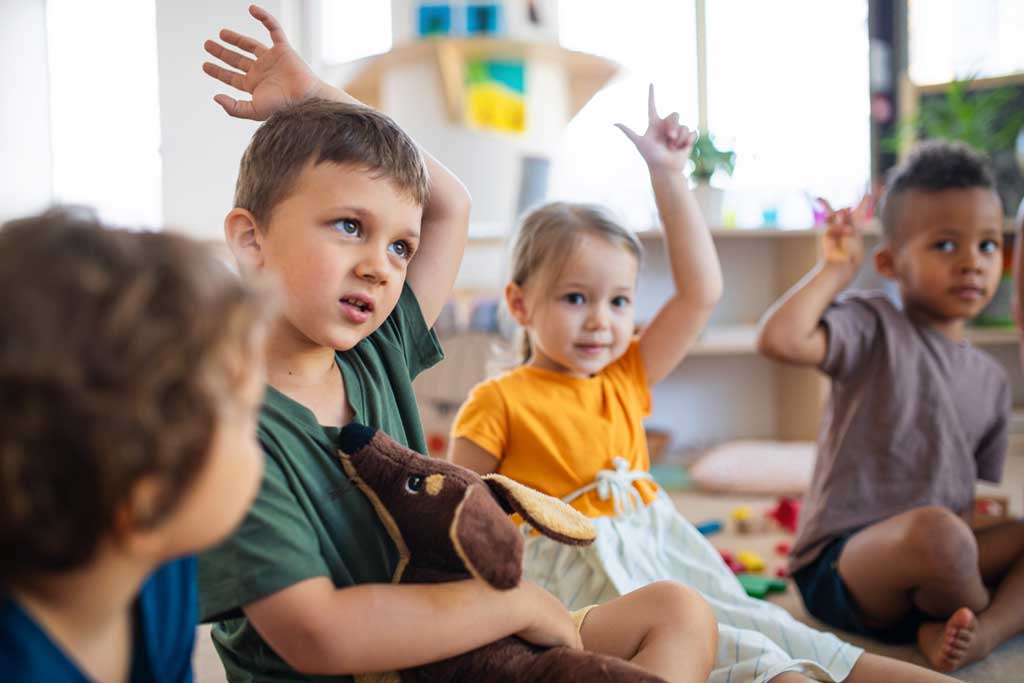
(319, 629)
(276, 77)
(791, 330)
(665, 146)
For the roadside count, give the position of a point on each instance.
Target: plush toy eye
(414, 483)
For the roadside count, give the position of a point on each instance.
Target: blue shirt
(166, 613)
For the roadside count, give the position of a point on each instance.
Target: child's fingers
(229, 57)
(861, 212)
(232, 78)
(671, 126)
(652, 110)
(629, 132)
(242, 42)
(236, 108)
(277, 36)
(828, 207)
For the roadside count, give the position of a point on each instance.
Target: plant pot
(709, 199)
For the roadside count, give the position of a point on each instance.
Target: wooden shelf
(587, 73)
(741, 340)
(491, 242)
(993, 336)
(772, 232)
(726, 340)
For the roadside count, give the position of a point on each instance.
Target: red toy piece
(782, 548)
(782, 573)
(787, 513)
(731, 562)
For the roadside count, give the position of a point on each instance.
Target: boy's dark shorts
(827, 597)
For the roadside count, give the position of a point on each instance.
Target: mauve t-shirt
(913, 419)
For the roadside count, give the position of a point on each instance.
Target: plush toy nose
(354, 436)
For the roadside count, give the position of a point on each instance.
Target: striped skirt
(757, 639)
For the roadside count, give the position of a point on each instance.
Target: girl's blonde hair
(551, 232)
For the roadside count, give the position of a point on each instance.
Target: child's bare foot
(953, 644)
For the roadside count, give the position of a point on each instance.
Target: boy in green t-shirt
(364, 233)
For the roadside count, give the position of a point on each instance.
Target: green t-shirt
(308, 520)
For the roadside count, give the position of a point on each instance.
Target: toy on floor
(712, 526)
(758, 586)
(751, 561)
(731, 562)
(782, 548)
(786, 513)
(992, 506)
(746, 522)
(449, 524)
(671, 476)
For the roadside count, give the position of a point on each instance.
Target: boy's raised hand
(665, 144)
(276, 78)
(843, 241)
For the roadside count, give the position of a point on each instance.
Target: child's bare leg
(792, 677)
(871, 668)
(964, 637)
(665, 628)
(926, 557)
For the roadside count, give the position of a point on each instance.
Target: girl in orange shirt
(569, 422)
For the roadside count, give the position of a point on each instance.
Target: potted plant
(707, 160)
(987, 118)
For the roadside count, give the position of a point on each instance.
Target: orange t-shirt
(555, 432)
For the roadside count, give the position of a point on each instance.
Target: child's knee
(941, 543)
(681, 607)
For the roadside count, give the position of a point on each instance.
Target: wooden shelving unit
(587, 73)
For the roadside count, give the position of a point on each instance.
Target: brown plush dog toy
(449, 524)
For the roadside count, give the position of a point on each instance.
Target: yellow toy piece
(742, 512)
(746, 522)
(751, 561)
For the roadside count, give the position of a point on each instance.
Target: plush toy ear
(486, 540)
(546, 514)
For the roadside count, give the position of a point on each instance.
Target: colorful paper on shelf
(483, 18)
(435, 20)
(496, 95)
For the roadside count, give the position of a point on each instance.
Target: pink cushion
(776, 468)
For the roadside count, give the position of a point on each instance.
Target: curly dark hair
(118, 352)
(317, 131)
(932, 166)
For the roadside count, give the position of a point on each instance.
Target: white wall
(25, 168)
(201, 145)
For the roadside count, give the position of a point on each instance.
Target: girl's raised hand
(275, 76)
(665, 143)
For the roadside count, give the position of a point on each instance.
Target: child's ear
(885, 261)
(136, 528)
(515, 300)
(244, 239)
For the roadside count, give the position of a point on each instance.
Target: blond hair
(550, 232)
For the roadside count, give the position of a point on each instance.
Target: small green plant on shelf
(707, 159)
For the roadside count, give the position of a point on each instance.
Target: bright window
(952, 39)
(788, 92)
(654, 41)
(352, 29)
(104, 108)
